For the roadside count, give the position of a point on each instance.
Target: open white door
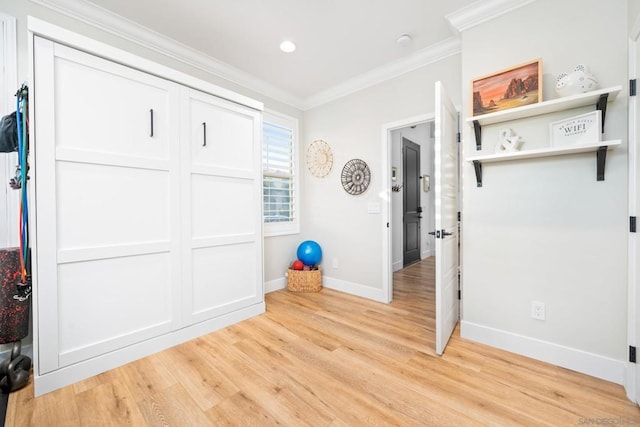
(446, 217)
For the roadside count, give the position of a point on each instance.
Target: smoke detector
(404, 40)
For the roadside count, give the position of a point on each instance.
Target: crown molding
(418, 59)
(96, 16)
(482, 11)
(126, 29)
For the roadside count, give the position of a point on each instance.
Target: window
(280, 174)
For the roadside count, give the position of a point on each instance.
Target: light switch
(373, 208)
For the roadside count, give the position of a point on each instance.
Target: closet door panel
(105, 107)
(221, 135)
(108, 206)
(223, 279)
(129, 301)
(222, 206)
(102, 206)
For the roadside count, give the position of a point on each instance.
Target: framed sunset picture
(505, 89)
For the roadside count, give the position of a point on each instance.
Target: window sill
(281, 231)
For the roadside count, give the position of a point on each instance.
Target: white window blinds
(278, 173)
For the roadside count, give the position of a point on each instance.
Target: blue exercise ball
(309, 252)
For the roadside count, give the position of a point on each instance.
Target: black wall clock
(356, 177)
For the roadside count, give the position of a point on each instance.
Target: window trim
(271, 229)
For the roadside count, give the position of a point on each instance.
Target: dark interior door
(411, 202)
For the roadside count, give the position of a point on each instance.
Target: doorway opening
(413, 204)
(409, 235)
(445, 211)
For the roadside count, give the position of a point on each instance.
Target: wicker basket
(304, 281)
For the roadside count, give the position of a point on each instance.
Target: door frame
(385, 196)
(633, 315)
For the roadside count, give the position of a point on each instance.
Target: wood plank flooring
(332, 359)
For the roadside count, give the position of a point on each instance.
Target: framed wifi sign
(579, 130)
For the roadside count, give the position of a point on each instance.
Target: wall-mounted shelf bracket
(478, 168)
(601, 157)
(478, 131)
(602, 106)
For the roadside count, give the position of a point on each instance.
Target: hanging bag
(8, 134)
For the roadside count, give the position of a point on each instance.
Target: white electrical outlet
(537, 310)
(336, 263)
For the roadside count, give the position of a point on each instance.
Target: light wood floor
(332, 359)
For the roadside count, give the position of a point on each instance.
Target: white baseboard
(425, 254)
(275, 285)
(356, 289)
(336, 284)
(630, 383)
(577, 360)
(397, 265)
(71, 374)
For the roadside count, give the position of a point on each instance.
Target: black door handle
(151, 124)
(444, 233)
(204, 131)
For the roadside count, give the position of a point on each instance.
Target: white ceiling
(339, 41)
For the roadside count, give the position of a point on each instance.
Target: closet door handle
(204, 128)
(151, 122)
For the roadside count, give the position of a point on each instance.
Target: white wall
(278, 250)
(545, 229)
(423, 136)
(634, 10)
(352, 126)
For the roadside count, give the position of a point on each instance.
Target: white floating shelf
(545, 107)
(600, 148)
(543, 152)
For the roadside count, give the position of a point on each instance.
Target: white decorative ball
(579, 81)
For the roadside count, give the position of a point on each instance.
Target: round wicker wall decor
(356, 177)
(319, 158)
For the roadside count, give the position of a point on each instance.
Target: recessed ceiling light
(404, 40)
(287, 46)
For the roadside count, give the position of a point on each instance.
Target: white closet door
(108, 205)
(222, 206)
